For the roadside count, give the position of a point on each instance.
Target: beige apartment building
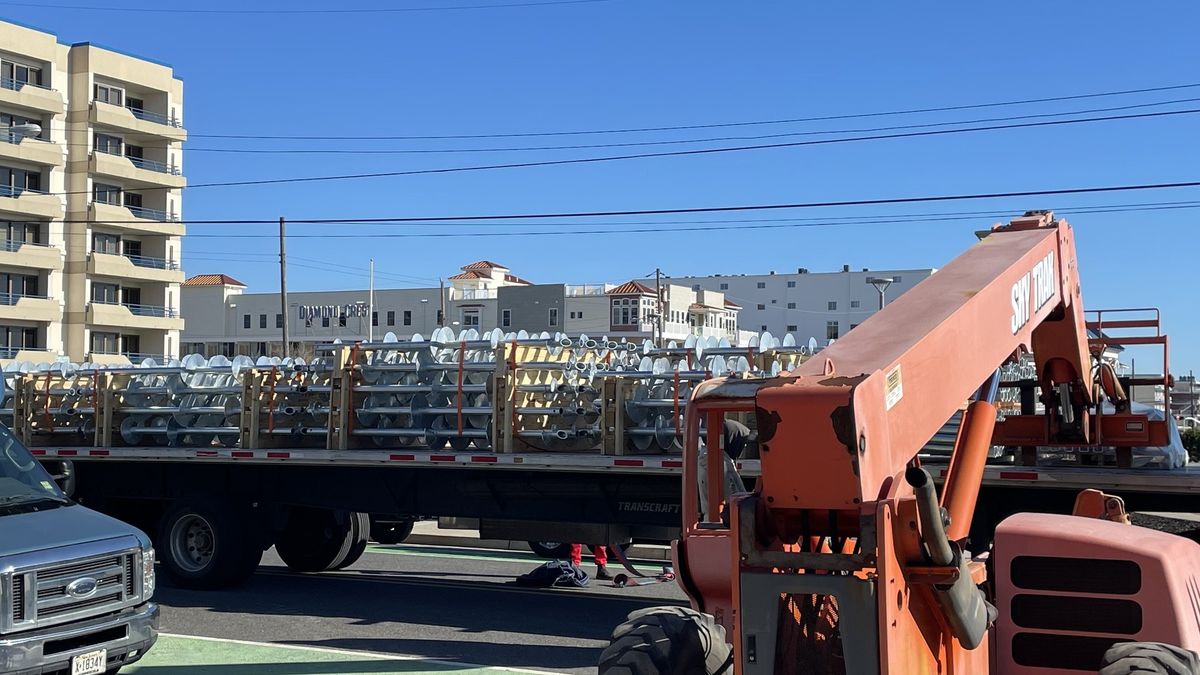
(90, 201)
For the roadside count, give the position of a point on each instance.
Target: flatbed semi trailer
(250, 499)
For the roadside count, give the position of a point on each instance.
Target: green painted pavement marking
(191, 655)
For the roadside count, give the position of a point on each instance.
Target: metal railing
(157, 118)
(153, 263)
(153, 165)
(474, 294)
(17, 85)
(9, 136)
(578, 290)
(157, 311)
(17, 191)
(12, 298)
(138, 357)
(12, 245)
(150, 214)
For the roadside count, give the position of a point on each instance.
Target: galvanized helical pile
(507, 392)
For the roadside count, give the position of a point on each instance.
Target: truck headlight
(147, 573)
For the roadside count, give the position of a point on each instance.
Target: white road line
(353, 652)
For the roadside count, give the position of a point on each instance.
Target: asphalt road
(444, 604)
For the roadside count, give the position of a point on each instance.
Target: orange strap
(462, 354)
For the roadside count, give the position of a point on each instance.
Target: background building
(824, 305)
(90, 201)
(223, 319)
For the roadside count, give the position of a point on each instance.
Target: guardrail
(17, 85)
(150, 214)
(143, 310)
(9, 136)
(13, 298)
(13, 245)
(157, 118)
(17, 191)
(153, 165)
(153, 263)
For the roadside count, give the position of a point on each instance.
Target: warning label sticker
(894, 387)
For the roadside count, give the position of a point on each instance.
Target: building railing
(17, 191)
(578, 290)
(153, 263)
(17, 85)
(150, 214)
(153, 165)
(138, 357)
(11, 352)
(157, 118)
(475, 294)
(9, 136)
(12, 298)
(157, 311)
(13, 245)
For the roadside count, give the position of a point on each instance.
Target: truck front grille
(102, 584)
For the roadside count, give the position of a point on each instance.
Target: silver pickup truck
(75, 585)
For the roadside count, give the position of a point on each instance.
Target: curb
(444, 538)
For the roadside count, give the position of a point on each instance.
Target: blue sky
(637, 63)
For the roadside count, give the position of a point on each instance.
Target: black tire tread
(302, 544)
(666, 641)
(360, 533)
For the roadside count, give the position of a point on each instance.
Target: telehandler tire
(667, 641)
(1149, 658)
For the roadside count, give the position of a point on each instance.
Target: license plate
(91, 663)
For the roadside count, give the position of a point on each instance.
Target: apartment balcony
(31, 97)
(135, 120)
(135, 172)
(124, 315)
(25, 254)
(18, 307)
(33, 204)
(138, 267)
(457, 294)
(31, 150)
(134, 219)
(31, 354)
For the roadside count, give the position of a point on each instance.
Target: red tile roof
(514, 279)
(213, 280)
(484, 265)
(730, 303)
(631, 288)
(470, 275)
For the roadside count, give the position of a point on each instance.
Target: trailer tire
(361, 529)
(208, 545)
(1149, 658)
(391, 532)
(667, 641)
(551, 550)
(315, 540)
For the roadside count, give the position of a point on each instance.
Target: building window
(105, 343)
(374, 318)
(324, 322)
(761, 306)
(110, 145)
(245, 321)
(791, 284)
(19, 73)
(855, 304)
(15, 234)
(342, 320)
(724, 287)
(853, 326)
(407, 317)
(761, 284)
(391, 317)
(791, 305)
(774, 302)
(896, 278)
(695, 287)
(763, 327)
(109, 94)
(441, 318)
(16, 181)
(831, 330)
(262, 320)
(832, 304)
(106, 243)
(578, 315)
(470, 318)
(106, 194)
(792, 328)
(553, 316)
(506, 318)
(15, 338)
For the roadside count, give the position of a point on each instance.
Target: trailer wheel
(552, 550)
(667, 641)
(391, 532)
(1149, 658)
(208, 545)
(315, 540)
(361, 529)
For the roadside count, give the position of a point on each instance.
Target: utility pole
(371, 305)
(658, 307)
(442, 293)
(283, 302)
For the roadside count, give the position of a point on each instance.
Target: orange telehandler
(844, 559)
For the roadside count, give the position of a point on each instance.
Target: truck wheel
(361, 529)
(391, 532)
(208, 545)
(667, 641)
(552, 550)
(315, 540)
(1149, 658)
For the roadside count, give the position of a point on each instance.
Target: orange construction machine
(845, 559)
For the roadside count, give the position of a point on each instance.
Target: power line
(374, 10)
(821, 118)
(641, 230)
(673, 153)
(712, 139)
(702, 209)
